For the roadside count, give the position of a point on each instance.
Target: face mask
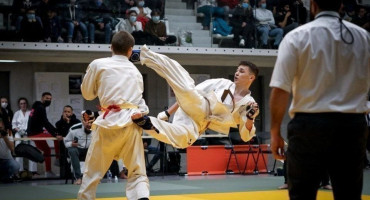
(141, 3)
(155, 19)
(47, 103)
(245, 5)
(263, 5)
(4, 105)
(132, 19)
(31, 17)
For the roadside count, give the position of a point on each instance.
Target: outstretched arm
(278, 103)
(165, 115)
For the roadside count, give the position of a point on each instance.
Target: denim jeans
(8, 167)
(209, 12)
(107, 32)
(265, 32)
(70, 29)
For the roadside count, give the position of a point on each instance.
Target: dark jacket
(38, 120)
(63, 127)
(5, 117)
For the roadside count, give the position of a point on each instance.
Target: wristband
(168, 114)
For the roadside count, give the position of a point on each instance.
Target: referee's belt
(116, 108)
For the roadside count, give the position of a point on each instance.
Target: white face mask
(4, 105)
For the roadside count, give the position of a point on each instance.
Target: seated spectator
(155, 5)
(52, 27)
(299, 12)
(228, 6)
(99, 19)
(266, 26)
(19, 11)
(243, 24)
(157, 29)
(209, 9)
(78, 141)
(152, 150)
(8, 166)
(143, 13)
(67, 120)
(285, 20)
(362, 18)
(125, 6)
(71, 15)
(130, 23)
(31, 29)
(6, 105)
(19, 125)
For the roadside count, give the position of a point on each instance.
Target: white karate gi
(200, 107)
(116, 81)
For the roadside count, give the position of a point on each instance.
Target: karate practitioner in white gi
(215, 104)
(119, 86)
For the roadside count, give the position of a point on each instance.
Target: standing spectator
(99, 19)
(8, 166)
(35, 128)
(243, 24)
(5, 104)
(78, 141)
(285, 20)
(19, 125)
(266, 26)
(143, 13)
(316, 64)
(31, 29)
(71, 16)
(157, 29)
(52, 27)
(67, 120)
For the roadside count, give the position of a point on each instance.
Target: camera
(3, 133)
(75, 139)
(135, 56)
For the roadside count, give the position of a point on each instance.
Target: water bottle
(109, 176)
(115, 179)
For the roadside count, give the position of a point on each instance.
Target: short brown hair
(252, 67)
(122, 42)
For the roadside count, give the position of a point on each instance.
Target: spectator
(143, 13)
(157, 29)
(8, 166)
(152, 150)
(99, 19)
(78, 141)
(31, 29)
(156, 5)
(5, 104)
(35, 128)
(243, 24)
(228, 6)
(126, 5)
(266, 26)
(52, 27)
(67, 120)
(71, 16)
(299, 11)
(209, 9)
(20, 7)
(285, 20)
(362, 19)
(19, 125)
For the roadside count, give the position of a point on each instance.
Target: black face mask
(87, 131)
(47, 103)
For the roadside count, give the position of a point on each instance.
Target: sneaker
(283, 187)
(327, 187)
(242, 43)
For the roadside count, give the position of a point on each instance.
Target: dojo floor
(207, 187)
